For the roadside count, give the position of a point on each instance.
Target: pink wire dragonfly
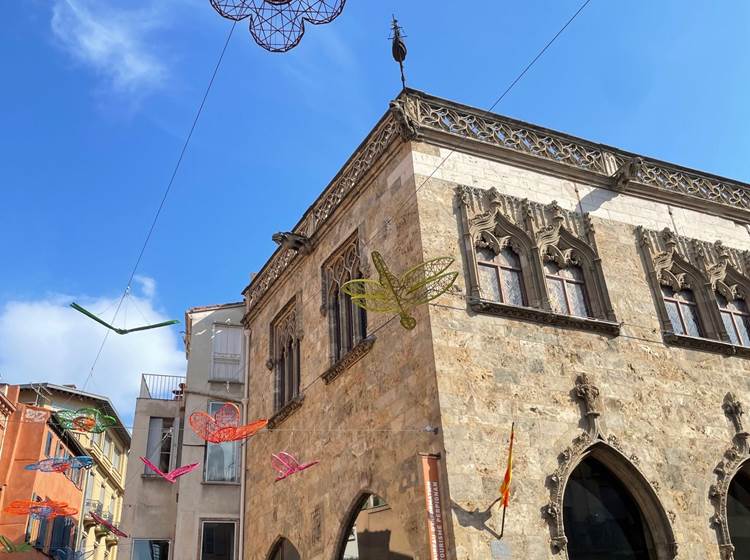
(286, 465)
(171, 476)
(106, 524)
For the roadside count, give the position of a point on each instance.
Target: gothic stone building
(600, 305)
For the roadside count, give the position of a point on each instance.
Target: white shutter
(227, 353)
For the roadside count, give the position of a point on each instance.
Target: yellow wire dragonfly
(400, 295)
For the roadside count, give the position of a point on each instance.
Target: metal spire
(398, 48)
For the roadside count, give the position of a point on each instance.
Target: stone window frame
(334, 270)
(706, 269)
(537, 233)
(285, 326)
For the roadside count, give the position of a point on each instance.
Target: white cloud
(113, 42)
(147, 285)
(46, 340)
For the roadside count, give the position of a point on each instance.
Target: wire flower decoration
(278, 25)
(61, 464)
(286, 465)
(107, 525)
(90, 420)
(393, 294)
(224, 425)
(46, 509)
(173, 475)
(6, 545)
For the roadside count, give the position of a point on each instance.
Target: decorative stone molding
(286, 411)
(609, 450)
(628, 172)
(284, 339)
(351, 358)
(293, 242)
(536, 233)
(705, 268)
(735, 458)
(402, 110)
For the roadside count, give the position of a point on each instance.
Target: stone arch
(626, 470)
(283, 549)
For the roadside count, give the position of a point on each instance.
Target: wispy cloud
(114, 42)
(45, 340)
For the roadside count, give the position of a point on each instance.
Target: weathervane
(398, 48)
(278, 25)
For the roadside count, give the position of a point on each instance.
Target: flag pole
(507, 490)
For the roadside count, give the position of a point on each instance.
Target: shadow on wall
(376, 545)
(476, 519)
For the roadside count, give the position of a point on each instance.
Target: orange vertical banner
(435, 526)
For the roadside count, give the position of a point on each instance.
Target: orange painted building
(31, 435)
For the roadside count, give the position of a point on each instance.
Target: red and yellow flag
(505, 486)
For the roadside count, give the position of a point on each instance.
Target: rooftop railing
(162, 387)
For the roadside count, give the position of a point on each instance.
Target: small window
(286, 351)
(682, 311)
(107, 446)
(159, 445)
(226, 347)
(222, 459)
(500, 277)
(218, 541)
(144, 549)
(567, 290)
(117, 458)
(48, 445)
(736, 319)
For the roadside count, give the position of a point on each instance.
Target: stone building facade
(599, 307)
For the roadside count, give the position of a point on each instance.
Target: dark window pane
(666, 291)
(738, 513)
(686, 295)
(513, 286)
(690, 315)
(508, 258)
(721, 300)
(578, 300)
(726, 318)
(489, 288)
(150, 550)
(742, 326)
(550, 267)
(218, 541)
(674, 317)
(557, 296)
(601, 518)
(487, 255)
(336, 321)
(572, 273)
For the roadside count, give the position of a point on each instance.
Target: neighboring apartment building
(31, 434)
(105, 483)
(198, 516)
(600, 305)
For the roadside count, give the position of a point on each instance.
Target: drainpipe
(244, 448)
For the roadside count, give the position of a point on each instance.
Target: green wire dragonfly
(7, 546)
(90, 315)
(393, 294)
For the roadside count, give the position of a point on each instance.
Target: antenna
(398, 48)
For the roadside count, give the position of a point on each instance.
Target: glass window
(738, 512)
(567, 290)
(48, 444)
(222, 459)
(500, 277)
(226, 347)
(159, 445)
(285, 551)
(117, 458)
(107, 446)
(144, 549)
(286, 344)
(375, 532)
(217, 541)
(601, 518)
(736, 319)
(682, 311)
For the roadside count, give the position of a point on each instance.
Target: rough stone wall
(365, 426)
(662, 403)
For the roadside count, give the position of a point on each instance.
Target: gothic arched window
(738, 512)
(285, 340)
(567, 289)
(601, 517)
(284, 550)
(374, 532)
(500, 276)
(682, 310)
(736, 319)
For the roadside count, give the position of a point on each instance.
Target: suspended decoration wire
(286, 465)
(107, 525)
(278, 25)
(393, 294)
(46, 509)
(224, 425)
(70, 554)
(90, 420)
(173, 475)
(61, 464)
(101, 321)
(6, 545)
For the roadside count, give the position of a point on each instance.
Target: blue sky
(97, 97)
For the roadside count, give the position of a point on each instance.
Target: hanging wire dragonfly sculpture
(224, 425)
(45, 509)
(90, 420)
(6, 545)
(401, 294)
(286, 465)
(101, 321)
(61, 464)
(107, 525)
(278, 25)
(172, 475)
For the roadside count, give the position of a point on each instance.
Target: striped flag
(505, 486)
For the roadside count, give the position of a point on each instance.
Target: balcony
(162, 387)
(91, 505)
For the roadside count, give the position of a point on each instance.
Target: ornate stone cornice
(286, 411)
(351, 358)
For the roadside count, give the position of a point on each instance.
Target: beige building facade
(198, 516)
(599, 306)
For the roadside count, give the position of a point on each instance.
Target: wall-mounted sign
(435, 525)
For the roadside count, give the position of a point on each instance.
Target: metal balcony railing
(162, 387)
(95, 506)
